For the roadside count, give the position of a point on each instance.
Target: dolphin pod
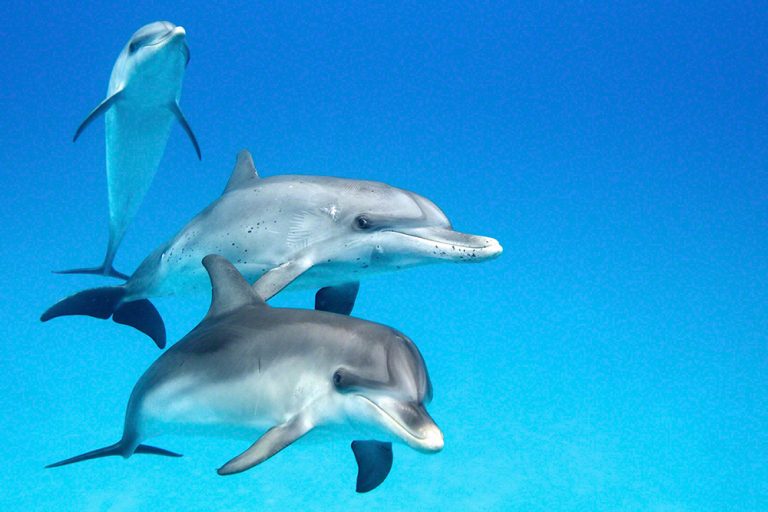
(304, 231)
(142, 102)
(274, 374)
(284, 372)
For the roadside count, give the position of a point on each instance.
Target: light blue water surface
(614, 358)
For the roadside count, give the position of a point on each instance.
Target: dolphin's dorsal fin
(244, 172)
(230, 289)
(96, 112)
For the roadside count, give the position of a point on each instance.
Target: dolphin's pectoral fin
(374, 460)
(274, 440)
(278, 278)
(174, 107)
(103, 107)
(337, 299)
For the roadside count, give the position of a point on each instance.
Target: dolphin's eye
(362, 222)
(337, 378)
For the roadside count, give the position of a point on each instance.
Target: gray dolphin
(303, 231)
(142, 102)
(248, 367)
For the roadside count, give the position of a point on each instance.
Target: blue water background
(614, 358)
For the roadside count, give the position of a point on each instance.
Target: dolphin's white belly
(192, 279)
(136, 140)
(255, 401)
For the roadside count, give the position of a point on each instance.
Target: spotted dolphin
(251, 369)
(142, 102)
(304, 231)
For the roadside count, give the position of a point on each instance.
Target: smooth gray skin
(248, 367)
(142, 103)
(302, 231)
(306, 231)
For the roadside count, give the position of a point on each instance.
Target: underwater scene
(396, 256)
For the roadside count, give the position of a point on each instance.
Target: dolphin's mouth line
(161, 40)
(387, 415)
(440, 242)
(184, 49)
(165, 37)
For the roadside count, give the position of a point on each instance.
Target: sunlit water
(614, 357)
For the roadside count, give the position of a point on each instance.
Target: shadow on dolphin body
(281, 373)
(142, 102)
(306, 232)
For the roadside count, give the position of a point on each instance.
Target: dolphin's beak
(178, 32)
(178, 36)
(447, 244)
(408, 421)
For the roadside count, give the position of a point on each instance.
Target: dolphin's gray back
(250, 341)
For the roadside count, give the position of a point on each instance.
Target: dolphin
(303, 231)
(250, 369)
(142, 102)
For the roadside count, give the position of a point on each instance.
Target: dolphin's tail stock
(118, 448)
(103, 270)
(108, 302)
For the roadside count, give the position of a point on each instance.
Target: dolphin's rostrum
(251, 367)
(142, 102)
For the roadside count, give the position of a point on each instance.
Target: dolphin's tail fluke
(104, 270)
(116, 449)
(108, 302)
